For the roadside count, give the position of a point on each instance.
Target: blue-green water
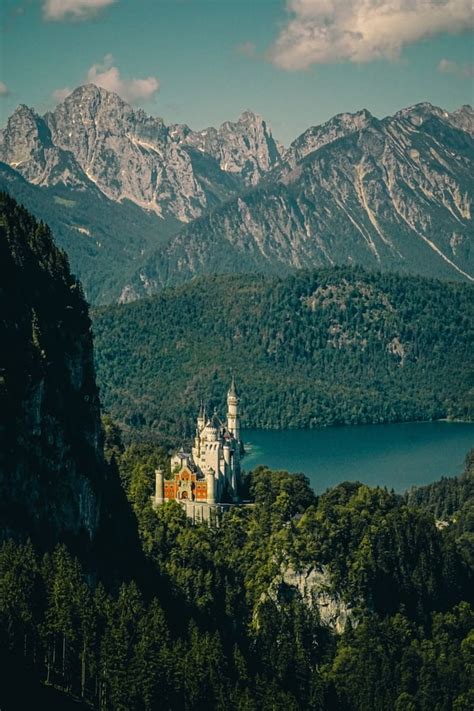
(396, 456)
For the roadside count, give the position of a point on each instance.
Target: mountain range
(139, 205)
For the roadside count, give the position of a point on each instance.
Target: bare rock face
(392, 194)
(462, 118)
(95, 137)
(26, 145)
(313, 586)
(245, 148)
(126, 153)
(318, 136)
(139, 205)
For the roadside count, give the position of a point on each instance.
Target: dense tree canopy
(231, 628)
(328, 347)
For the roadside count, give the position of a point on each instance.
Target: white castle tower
(209, 476)
(233, 423)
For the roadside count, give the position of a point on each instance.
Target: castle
(208, 477)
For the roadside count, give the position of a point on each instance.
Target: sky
(202, 62)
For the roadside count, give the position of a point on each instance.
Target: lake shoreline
(360, 424)
(396, 455)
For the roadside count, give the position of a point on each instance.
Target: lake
(396, 456)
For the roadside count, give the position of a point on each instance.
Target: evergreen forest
(358, 599)
(328, 347)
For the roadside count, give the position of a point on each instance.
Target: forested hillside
(319, 348)
(357, 600)
(353, 601)
(54, 481)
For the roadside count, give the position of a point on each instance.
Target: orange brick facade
(185, 486)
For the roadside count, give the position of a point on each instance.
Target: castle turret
(226, 452)
(212, 428)
(159, 486)
(211, 487)
(201, 419)
(233, 423)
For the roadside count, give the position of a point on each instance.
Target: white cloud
(324, 31)
(57, 10)
(61, 94)
(446, 66)
(108, 76)
(4, 90)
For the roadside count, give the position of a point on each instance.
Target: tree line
(227, 628)
(334, 346)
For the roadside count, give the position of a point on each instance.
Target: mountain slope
(330, 347)
(132, 156)
(47, 387)
(115, 183)
(55, 485)
(94, 136)
(139, 205)
(385, 194)
(105, 241)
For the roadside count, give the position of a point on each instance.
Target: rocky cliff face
(318, 136)
(26, 145)
(52, 472)
(138, 204)
(131, 156)
(462, 118)
(391, 194)
(245, 148)
(314, 587)
(95, 137)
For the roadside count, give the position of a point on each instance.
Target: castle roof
(232, 389)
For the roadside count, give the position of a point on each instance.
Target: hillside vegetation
(356, 600)
(353, 601)
(319, 348)
(54, 481)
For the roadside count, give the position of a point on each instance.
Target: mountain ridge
(168, 203)
(407, 339)
(388, 223)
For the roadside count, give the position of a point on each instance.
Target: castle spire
(232, 389)
(233, 424)
(201, 419)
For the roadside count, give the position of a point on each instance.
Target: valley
(332, 280)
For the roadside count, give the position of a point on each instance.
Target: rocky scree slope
(94, 155)
(393, 194)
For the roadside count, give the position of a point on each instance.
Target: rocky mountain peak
(317, 136)
(462, 118)
(249, 116)
(94, 136)
(26, 145)
(26, 127)
(390, 192)
(245, 147)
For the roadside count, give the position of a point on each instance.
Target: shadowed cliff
(54, 482)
